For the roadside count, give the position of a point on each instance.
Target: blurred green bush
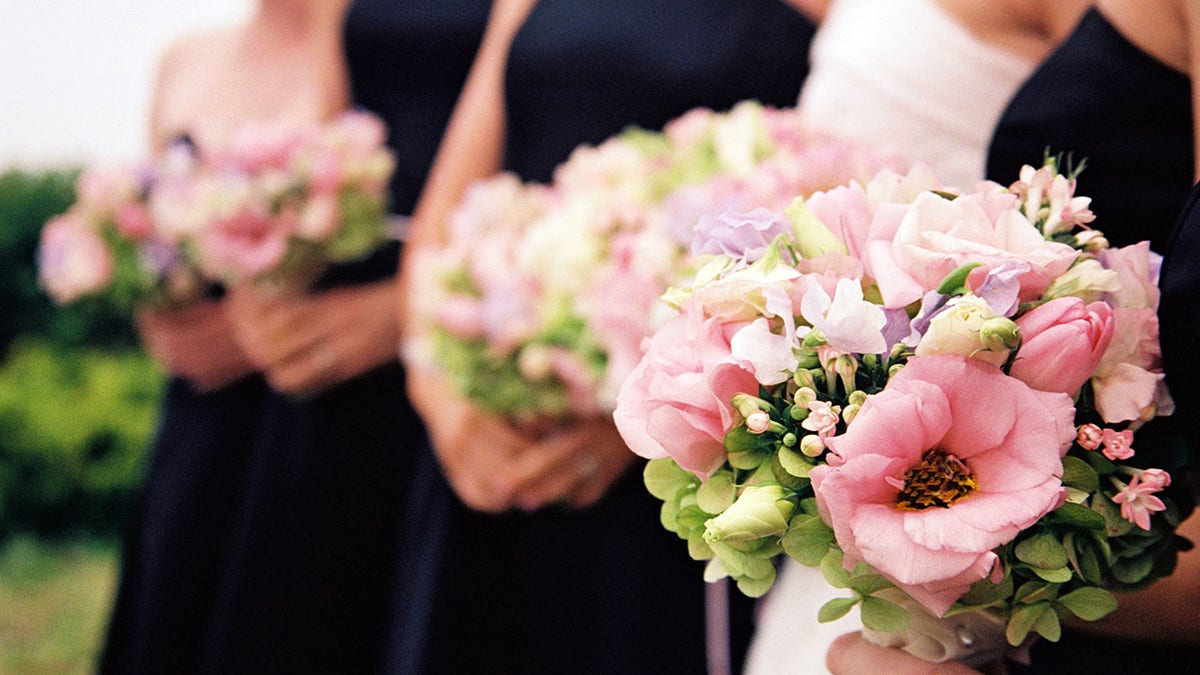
(78, 399)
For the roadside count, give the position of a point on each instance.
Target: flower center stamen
(941, 479)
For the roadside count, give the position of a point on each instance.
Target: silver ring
(587, 464)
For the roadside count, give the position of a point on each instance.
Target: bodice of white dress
(904, 76)
(901, 76)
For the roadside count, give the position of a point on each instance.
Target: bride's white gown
(902, 76)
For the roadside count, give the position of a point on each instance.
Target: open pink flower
(243, 244)
(937, 235)
(676, 403)
(1137, 501)
(951, 460)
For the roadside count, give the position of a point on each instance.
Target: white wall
(75, 75)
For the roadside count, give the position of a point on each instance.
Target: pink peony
(73, 260)
(677, 402)
(1062, 343)
(990, 448)
(936, 235)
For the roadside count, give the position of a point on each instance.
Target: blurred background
(78, 398)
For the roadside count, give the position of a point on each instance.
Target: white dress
(902, 76)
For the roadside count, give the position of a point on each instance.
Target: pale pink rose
(244, 243)
(971, 418)
(677, 402)
(1137, 269)
(1138, 502)
(73, 260)
(689, 128)
(1062, 343)
(1128, 382)
(620, 304)
(938, 235)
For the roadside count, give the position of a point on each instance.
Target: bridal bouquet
(108, 243)
(279, 201)
(930, 396)
(545, 292)
(275, 203)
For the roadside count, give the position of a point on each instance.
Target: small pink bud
(758, 422)
(1089, 437)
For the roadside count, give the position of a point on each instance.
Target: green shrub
(27, 201)
(74, 429)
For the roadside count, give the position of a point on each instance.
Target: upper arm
(473, 145)
(1192, 28)
(167, 76)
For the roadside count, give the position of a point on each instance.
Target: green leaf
(1023, 619)
(1089, 603)
(1047, 626)
(1058, 575)
(883, 615)
(794, 462)
(984, 593)
(868, 584)
(664, 478)
(1133, 570)
(692, 519)
(1078, 515)
(717, 493)
(1035, 591)
(831, 567)
(956, 281)
(809, 506)
(836, 609)
(807, 540)
(1079, 474)
(1042, 550)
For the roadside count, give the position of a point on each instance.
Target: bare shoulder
(183, 68)
(1161, 28)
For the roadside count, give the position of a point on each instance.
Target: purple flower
(742, 235)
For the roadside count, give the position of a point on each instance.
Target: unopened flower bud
(758, 421)
(1157, 479)
(858, 397)
(814, 339)
(747, 405)
(760, 511)
(846, 366)
(812, 445)
(894, 369)
(789, 440)
(803, 397)
(804, 379)
(850, 412)
(1089, 436)
(1091, 240)
(999, 334)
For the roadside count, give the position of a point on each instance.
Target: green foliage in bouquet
(76, 428)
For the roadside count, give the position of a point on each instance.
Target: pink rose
(677, 402)
(1137, 269)
(962, 423)
(244, 243)
(1128, 382)
(935, 236)
(133, 221)
(1062, 343)
(73, 260)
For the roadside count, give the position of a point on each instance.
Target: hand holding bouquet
(931, 396)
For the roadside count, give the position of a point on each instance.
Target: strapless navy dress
(605, 589)
(1103, 100)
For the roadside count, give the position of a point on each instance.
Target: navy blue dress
(272, 527)
(1103, 100)
(606, 589)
